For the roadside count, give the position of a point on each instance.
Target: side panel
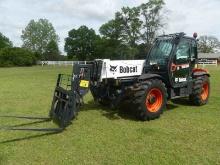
(121, 68)
(147, 76)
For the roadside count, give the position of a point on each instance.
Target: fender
(197, 72)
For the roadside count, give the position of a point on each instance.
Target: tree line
(129, 35)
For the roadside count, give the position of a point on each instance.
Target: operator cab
(173, 57)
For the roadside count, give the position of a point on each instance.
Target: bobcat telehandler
(169, 71)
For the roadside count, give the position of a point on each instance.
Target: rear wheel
(150, 98)
(201, 91)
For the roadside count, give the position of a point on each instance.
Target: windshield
(160, 52)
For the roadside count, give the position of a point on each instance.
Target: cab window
(182, 52)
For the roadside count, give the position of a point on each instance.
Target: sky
(189, 16)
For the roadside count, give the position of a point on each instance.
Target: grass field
(184, 134)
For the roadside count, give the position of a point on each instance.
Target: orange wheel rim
(154, 100)
(205, 91)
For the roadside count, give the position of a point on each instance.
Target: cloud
(184, 15)
(87, 10)
(190, 16)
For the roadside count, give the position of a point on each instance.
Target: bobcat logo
(113, 68)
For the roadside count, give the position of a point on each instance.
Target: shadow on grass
(25, 117)
(126, 112)
(29, 123)
(123, 112)
(49, 131)
(112, 114)
(170, 107)
(183, 101)
(29, 137)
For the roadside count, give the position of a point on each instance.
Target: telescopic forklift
(169, 71)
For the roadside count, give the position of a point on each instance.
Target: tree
(134, 29)
(108, 45)
(80, 43)
(130, 25)
(52, 51)
(16, 57)
(152, 19)
(143, 50)
(38, 34)
(107, 48)
(122, 34)
(4, 42)
(208, 44)
(111, 30)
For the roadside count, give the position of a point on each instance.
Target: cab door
(180, 67)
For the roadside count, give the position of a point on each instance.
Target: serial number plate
(84, 83)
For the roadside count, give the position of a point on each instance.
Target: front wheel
(150, 99)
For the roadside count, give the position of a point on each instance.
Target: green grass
(184, 134)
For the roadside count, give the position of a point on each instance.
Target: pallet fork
(68, 94)
(67, 99)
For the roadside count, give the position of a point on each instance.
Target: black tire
(199, 94)
(140, 102)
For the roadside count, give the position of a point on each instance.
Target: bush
(16, 57)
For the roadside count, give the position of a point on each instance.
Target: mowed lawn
(184, 134)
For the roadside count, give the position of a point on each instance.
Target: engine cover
(121, 68)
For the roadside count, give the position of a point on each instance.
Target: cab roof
(174, 36)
